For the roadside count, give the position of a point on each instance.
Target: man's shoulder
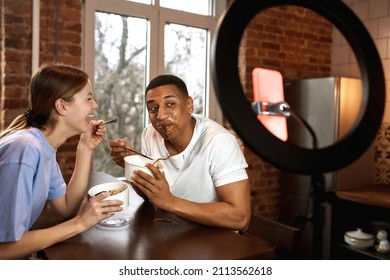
(212, 134)
(207, 123)
(212, 128)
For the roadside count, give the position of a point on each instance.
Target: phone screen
(268, 87)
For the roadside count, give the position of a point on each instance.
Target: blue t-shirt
(29, 176)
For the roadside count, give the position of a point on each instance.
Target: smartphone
(268, 87)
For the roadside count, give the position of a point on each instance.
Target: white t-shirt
(213, 158)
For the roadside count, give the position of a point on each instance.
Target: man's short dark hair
(167, 79)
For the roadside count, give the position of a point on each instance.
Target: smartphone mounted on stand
(268, 93)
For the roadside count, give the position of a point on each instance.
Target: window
(129, 42)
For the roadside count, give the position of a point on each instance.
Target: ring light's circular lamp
(238, 111)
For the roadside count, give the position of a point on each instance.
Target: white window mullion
(161, 36)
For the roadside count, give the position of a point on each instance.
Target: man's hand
(118, 151)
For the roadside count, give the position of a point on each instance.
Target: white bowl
(136, 162)
(359, 239)
(122, 195)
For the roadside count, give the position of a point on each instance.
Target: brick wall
(61, 31)
(16, 58)
(292, 40)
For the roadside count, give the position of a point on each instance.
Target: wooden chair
(282, 236)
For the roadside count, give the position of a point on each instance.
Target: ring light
(238, 111)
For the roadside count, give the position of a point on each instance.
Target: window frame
(157, 17)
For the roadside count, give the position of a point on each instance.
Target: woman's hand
(94, 134)
(95, 209)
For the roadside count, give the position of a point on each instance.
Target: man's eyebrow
(170, 96)
(165, 97)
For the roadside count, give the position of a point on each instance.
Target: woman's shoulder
(21, 141)
(23, 136)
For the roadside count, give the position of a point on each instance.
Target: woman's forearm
(77, 186)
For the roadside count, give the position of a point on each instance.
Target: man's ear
(60, 106)
(190, 104)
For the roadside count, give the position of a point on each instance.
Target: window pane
(120, 67)
(185, 55)
(201, 7)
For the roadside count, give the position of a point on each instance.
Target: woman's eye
(170, 105)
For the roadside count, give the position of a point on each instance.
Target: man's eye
(152, 109)
(170, 105)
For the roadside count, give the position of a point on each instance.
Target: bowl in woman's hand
(118, 190)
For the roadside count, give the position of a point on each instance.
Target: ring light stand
(281, 154)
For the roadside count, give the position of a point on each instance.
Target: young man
(204, 180)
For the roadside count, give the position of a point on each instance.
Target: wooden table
(147, 237)
(376, 195)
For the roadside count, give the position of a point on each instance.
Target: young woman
(62, 106)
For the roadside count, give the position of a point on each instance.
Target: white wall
(375, 15)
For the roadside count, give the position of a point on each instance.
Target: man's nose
(162, 113)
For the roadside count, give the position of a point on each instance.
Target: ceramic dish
(359, 239)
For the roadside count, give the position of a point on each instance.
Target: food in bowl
(118, 190)
(112, 192)
(359, 239)
(137, 162)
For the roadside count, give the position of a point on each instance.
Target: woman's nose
(94, 105)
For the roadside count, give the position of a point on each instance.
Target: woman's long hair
(51, 82)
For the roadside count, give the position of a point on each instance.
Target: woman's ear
(60, 106)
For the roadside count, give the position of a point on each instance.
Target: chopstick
(111, 121)
(131, 150)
